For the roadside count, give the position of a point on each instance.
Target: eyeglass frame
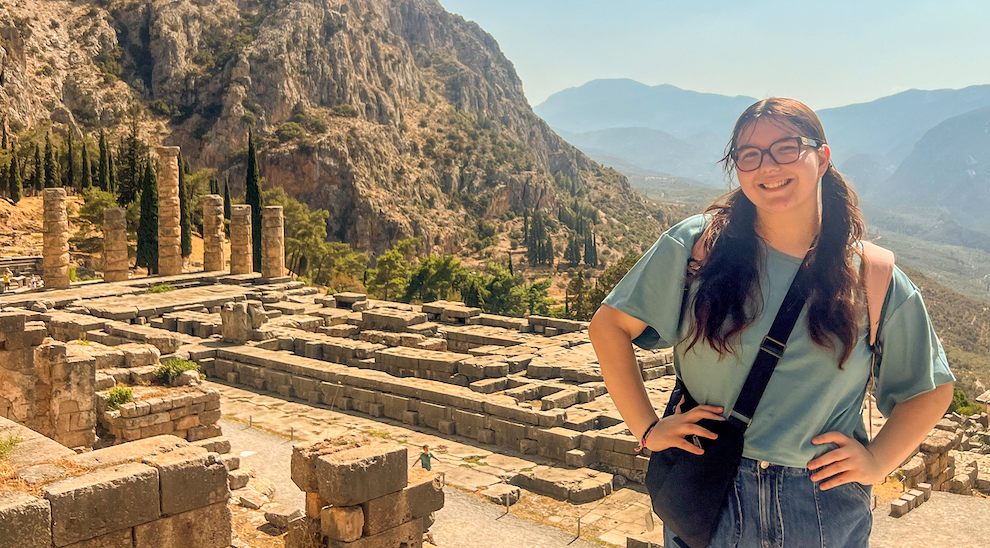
(807, 141)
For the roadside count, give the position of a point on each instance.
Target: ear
(824, 157)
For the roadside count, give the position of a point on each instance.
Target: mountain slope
(949, 168)
(405, 120)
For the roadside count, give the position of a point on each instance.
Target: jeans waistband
(755, 466)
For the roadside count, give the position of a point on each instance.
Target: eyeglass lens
(784, 151)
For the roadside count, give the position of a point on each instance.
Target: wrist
(646, 435)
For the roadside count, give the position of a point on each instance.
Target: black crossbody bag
(689, 491)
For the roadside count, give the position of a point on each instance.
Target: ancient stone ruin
(361, 493)
(55, 248)
(213, 234)
(115, 261)
(241, 250)
(169, 232)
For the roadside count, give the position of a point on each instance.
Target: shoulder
(687, 231)
(902, 290)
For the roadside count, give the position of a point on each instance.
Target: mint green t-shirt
(808, 394)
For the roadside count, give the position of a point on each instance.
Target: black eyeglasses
(784, 151)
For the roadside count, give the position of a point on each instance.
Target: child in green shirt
(425, 457)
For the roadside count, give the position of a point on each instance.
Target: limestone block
(280, 516)
(314, 505)
(421, 497)
(117, 539)
(348, 474)
(26, 521)
(102, 501)
(342, 523)
(252, 499)
(207, 527)
(409, 535)
(238, 479)
(191, 477)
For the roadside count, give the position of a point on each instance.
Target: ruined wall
(42, 387)
(157, 493)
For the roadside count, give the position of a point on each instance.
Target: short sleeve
(913, 361)
(653, 288)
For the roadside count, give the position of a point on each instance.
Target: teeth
(776, 185)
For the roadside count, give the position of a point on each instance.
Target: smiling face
(789, 189)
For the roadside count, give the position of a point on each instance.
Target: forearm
(622, 376)
(909, 425)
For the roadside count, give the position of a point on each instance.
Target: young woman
(807, 466)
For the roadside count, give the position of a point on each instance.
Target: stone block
(555, 442)
(357, 475)
(117, 539)
(408, 535)
(314, 504)
(252, 499)
(26, 521)
(191, 477)
(421, 497)
(207, 527)
(342, 523)
(103, 501)
(280, 516)
(528, 446)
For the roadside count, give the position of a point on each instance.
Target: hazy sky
(825, 53)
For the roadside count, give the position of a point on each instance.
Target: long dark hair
(726, 302)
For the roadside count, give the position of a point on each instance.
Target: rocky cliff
(399, 118)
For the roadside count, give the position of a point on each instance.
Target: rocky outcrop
(415, 122)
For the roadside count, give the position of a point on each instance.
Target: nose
(767, 157)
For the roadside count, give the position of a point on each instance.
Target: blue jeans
(780, 507)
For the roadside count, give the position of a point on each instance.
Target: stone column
(115, 262)
(241, 257)
(169, 233)
(272, 243)
(55, 248)
(213, 254)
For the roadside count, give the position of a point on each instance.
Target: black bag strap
(771, 350)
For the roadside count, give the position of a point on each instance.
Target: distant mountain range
(609, 116)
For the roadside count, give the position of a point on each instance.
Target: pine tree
(185, 222)
(87, 175)
(37, 179)
(103, 179)
(14, 175)
(253, 198)
(51, 178)
(147, 246)
(71, 171)
(226, 199)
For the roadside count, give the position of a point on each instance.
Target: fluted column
(241, 257)
(169, 233)
(213, 252)
(115, 262)
(55, 245)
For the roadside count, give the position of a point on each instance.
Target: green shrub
(7, 445)
(346, 111)
(289, 131)
(163, 107)
(119, 395)
(167, 372)
(161, 288)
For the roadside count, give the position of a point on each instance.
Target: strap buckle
(773, 347)
(745, 421)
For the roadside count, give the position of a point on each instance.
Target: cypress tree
(130, 161)
(14, 175)
(103, 177)
(226, 199)
(4, 178)
(71, 172)
(87, 174)
(37, 181)
(548, 251)
(185, 223)
(147, 245)
(111, 173)
(590, 250)
(253, 198)
(3, 143)
(51, 178)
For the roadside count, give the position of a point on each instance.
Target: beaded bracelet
(642, 442)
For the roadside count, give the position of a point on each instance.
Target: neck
(793, 233)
